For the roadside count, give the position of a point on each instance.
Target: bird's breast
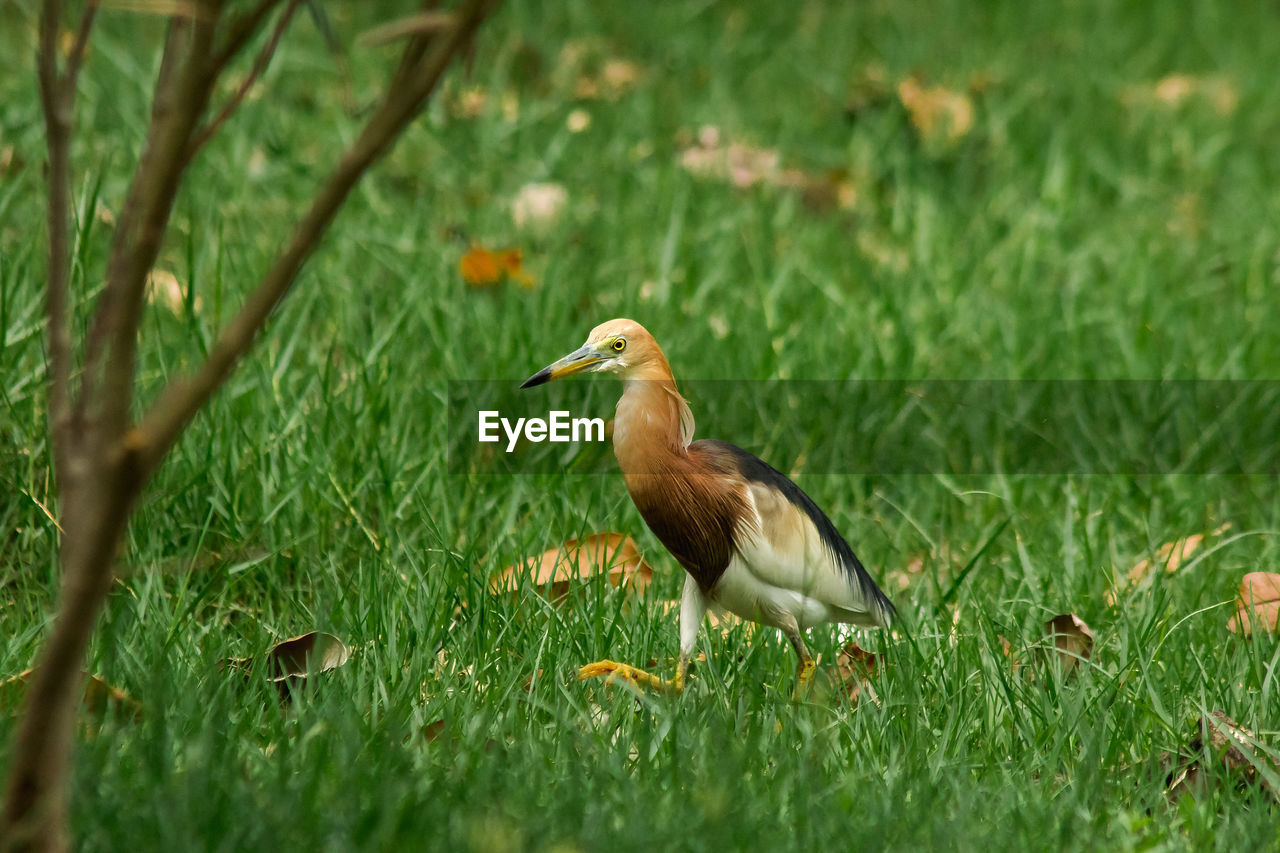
(697, 517)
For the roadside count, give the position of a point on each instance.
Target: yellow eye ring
(619, 345)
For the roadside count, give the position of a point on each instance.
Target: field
(1079, 191)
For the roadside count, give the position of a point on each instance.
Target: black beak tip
(538, 378)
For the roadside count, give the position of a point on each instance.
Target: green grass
(1074, 233)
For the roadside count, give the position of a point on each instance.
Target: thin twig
(162, 97)
(182, 398)
(423, 23)
(78, 47)
(241, 30)
(154, 190)
(55, 104)
(260, 63)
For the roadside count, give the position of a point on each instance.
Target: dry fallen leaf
(576, 561)
(1072, 638)
(289, 662)
(538, 206)
(481, 267)
(939, 115)
(1174, 90)
(613, 79)
(98, 698)
(163, 287)
(853, 671)
(1258, 605)
(712, 157)
(1170, 555)
(1233, 745)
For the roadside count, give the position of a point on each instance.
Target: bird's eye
(619, 345)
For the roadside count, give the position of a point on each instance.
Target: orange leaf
(577, 561)
(1258, 605)
(481, 267)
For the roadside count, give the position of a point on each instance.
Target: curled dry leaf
(1258, 606)
(1171, 555)
(853, 671)
(1217, 737)
(99, 696)
(482, 268)
(1072, 638)
(289, 662)
(575, 562)
(939, 115)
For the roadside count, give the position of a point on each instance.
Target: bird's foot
(804, 677)
(637, 677)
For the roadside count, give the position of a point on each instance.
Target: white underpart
(693, 606)
(766, 584)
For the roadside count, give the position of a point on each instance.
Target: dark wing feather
(754, 469)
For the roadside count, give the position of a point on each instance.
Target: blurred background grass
(1094, 199)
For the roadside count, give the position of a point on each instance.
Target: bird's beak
(575, 362)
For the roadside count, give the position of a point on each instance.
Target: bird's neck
(653, 425)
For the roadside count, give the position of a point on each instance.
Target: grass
(1081, 230)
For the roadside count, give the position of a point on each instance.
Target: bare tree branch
(162, 96)
(155, 186)
(78, 47)
(241, 30)
(182, 398)
(102, 471)
(55, 103)
(260, 63)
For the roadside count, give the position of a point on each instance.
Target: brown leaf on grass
(1175, 90)
(1258, 604)
(853, 671)
(431, 731)
(587, 68)
(1072, 638)
(164, 288)
(289, 662)
(712, 157)
(481, 267)
(575, 562)
(9, 161)
(613, 79)
(1170, 555)
(1007, 649)
(1218, 738)
(939, 115)
(538, 206)
(98, 698)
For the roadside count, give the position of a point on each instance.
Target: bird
(749, 539)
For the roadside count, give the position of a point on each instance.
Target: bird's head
(621, 347)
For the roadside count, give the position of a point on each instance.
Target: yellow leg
(638, 677)
(804, 676)
(804, 671)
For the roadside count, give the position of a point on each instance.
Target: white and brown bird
(750, 540)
